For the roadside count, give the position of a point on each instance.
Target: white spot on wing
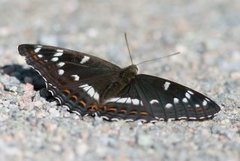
(54, 59)
(153, 101)
(190, 92)
(58, 99)
(104, 117)
(209, 116)
(84, 85)
(129, 100)
(168, 105)
(128, 120)
(122, 100)
(75, 77)
(136, 101)
(37, 49)
(96, 96)
(185, 100)
(87, 88)
(76, 112)
(197, 105)
(175, 100)
(192, 118)
(187, 95)
(204, 103)
(207, 99)
(61, 64)
(51, 92)
(114, 119)
(85, 59)
(60, 71)
(112, 99)
(40, 55)
(91, 92)
(166, 85)
(58, 53)
(183, 117)
(161, 119)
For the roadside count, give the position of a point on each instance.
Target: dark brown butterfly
(90, 85)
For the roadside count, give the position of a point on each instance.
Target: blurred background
(205, 32)
(202, 31)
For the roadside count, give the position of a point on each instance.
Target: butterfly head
(129, 72)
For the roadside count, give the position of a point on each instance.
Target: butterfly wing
(152, 98)
(78, 80)
(75, 79)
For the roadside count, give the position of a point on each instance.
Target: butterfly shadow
(28, 76)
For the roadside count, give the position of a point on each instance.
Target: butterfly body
(90, 85)
(123, 78)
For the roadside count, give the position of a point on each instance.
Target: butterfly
(89, 85)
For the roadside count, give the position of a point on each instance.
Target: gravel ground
(205, 32)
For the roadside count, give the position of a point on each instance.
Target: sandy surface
(205, 32)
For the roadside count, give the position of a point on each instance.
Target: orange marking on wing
(133, 112)
(82, 103)
(66, 92)
(41, 62)
(34, 56)
(103, 108)
(123, 110)
(74, 98)
(111, 109)
(92, 108)
(199, 109)
(143, 113)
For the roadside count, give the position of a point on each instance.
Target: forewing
(75, 79)
(152, 98)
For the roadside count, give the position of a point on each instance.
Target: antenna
(130, 55)
(158, 58)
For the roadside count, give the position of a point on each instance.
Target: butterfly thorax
(128, 73)
(121, 80)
